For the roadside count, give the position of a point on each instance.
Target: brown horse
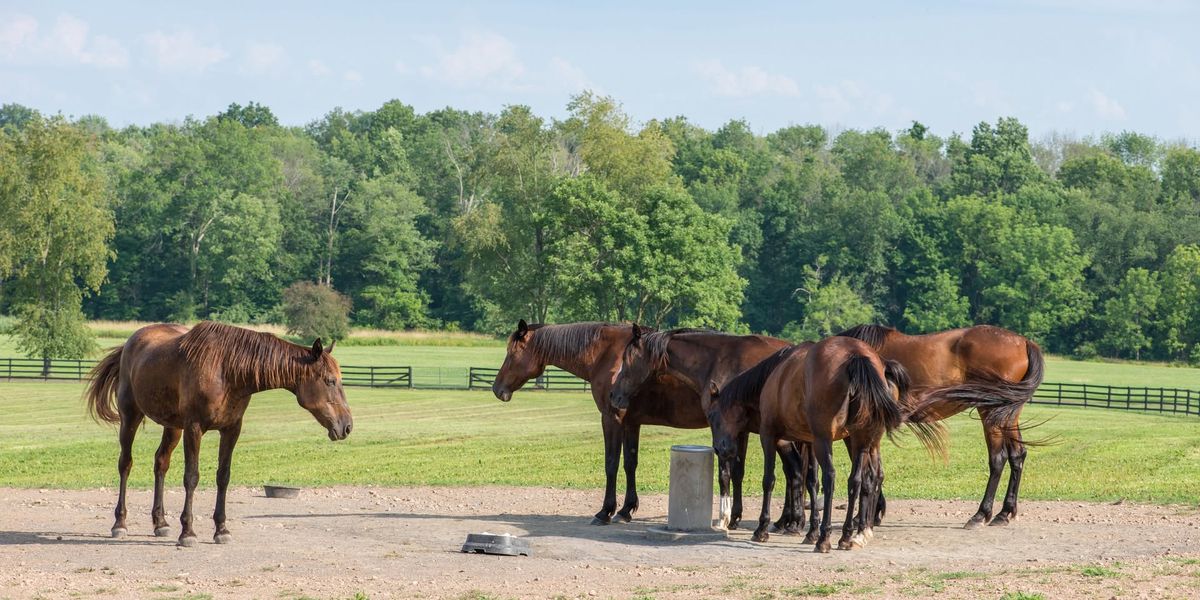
(591, 351)
(836, 389)
(191, 382)
(983, 367)
(698, 358)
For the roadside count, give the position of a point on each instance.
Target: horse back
(153, 371)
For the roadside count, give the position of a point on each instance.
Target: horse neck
(689, 369)
(295, 367)
(582, 363)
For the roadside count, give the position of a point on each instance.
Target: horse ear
(713, 390)
(331, 345)
(317, 349)
(637, 333)
(522, 329)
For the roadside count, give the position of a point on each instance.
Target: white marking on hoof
(858, 540)
(725, 514)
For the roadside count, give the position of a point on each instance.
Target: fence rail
(1087, 395)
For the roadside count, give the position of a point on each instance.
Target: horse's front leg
(191, 476)
(613, 434)
(768, 484)
(737, 474)
(630, 444)
(792, 519)
(229, 438)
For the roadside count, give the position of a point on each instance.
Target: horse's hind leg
(1015, 450)
(162, 462)
(191, 476)
(792, 519)
(997, 456)
(131, 418)
(633, 433)
(229, 438)
(811, 487)
(855, 485)
(823, 449)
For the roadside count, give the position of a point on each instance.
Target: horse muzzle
(502, 393)
(340, 431)
(724, 448)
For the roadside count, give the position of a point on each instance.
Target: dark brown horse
(191, 382)
(699, 358)
(983, 367)
(836, 389)
(592, 351)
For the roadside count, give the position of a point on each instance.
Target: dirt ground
(404, 543)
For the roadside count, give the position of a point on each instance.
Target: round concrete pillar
(690, 507)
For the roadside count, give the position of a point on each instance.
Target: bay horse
(836, 389)
(988, 368)
(591, 351)
(699, 357)
(198, 380)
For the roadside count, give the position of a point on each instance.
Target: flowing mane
(655, 344)
(873, 335)
(246, 357)
(564, 342)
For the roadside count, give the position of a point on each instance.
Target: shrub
(312, 310)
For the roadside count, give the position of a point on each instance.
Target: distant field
(454, 353)
(404, 437)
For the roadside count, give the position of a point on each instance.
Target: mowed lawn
(416, 437)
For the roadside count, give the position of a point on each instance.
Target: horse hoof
(760, 536)
(624, 517)
(868, 533)
(1000, 521)
(809, 538)
(822, 547)
(601, 521)
(187, 542)
(733, 524)
(975, 523)
(223, 538)
(118, 532)
(163, 531)
(858, 541)
(845, 545)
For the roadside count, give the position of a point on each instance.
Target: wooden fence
(1087, 395)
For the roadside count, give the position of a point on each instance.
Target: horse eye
(330, 382)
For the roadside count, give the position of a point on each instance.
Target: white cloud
(318, 68)
(483, 58)
(68, 42)
(567, 75)
(1105, 107)
(746, 81)
(181, 51)
(262, 57)
(352, 76)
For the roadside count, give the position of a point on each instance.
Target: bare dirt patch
(404, 542)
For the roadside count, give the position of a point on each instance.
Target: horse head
(521, 363)
(322, 394)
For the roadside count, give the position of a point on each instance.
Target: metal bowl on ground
(490, 543)
(281, 491)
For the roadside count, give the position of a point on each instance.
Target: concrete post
(691, 495)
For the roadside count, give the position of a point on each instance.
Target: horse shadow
(51, 538)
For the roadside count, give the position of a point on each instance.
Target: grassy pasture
(408, 437)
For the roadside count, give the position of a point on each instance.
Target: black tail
(871, 402)
(931, 434)
(747, 385)
(1000, 398)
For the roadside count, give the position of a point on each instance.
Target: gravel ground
(404, 543)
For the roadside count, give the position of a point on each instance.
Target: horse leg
(1015, 448)
(162, 462)
(824, 453)
(997, 456)
(872, 475)
(632, 436)
(229, 438)
(810, 486)
(131, 418)
(881, 503)
(191, 477)
(613, 432)
(792, 519)
(738, 474)
(854, 485)
(768, 484)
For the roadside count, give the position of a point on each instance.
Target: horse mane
(247, 357)
(873, 335)
(746, 387)
(655, 344)
(555, 343)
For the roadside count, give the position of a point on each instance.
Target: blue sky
(1072, 66)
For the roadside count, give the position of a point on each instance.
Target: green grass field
(411, 437)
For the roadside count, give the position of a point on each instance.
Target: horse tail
(871, 402)
(1000, 398)
(101, 391)
(746, 387)
(930, 432)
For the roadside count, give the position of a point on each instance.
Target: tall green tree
(55, 225)
(1129, 315)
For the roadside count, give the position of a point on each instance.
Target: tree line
(471, 220)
